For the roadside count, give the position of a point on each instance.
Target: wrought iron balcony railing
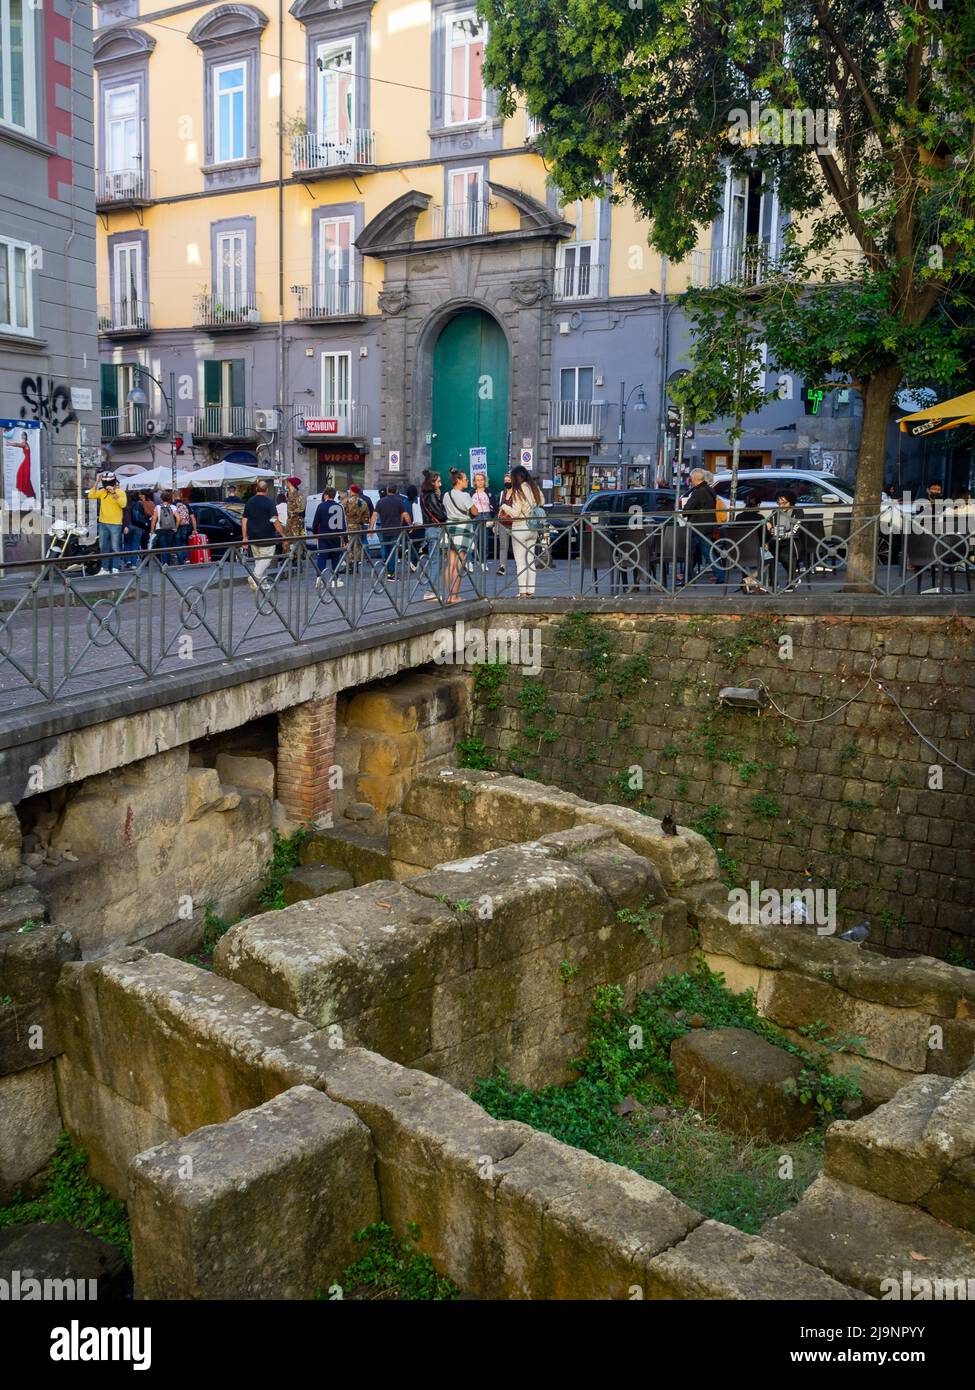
(124, 318)
(577, 281)
(576, 419)
(460, 219)
(123, 187)
(319, 155)
(333, 420)
(217, 312)
(748, 263)
(328, 301)
(224, 422)
(125, 422)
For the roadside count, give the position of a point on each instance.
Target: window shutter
(211, 383)
(237, 381)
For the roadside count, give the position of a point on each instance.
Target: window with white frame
(336, 378)
(466, 208)
(229, 112)
(466, 37)
(16, 313)
(231, 286)
(335, 265)
(336, 93)
(575, 398)
(576, 270)
(17, 57)
(128, 309)
(123, 142)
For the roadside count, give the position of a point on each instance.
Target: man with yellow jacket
(111, 501)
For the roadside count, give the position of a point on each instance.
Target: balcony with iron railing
(534, 127)
(460, 219)
(125, 422)
(748, 263)
(126, 318)
(576, 419)
(219, 313)
(123, 188)
(577, 281)
(316, 303)
(332, 420)
(224, 422)
(319, 157)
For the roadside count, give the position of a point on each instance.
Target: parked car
(819, 495)
(219, 523)
(561, 516)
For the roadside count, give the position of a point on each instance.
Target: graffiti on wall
(51, 404)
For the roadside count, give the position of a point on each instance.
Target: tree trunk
(878, 394)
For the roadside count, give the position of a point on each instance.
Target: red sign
(321, 426)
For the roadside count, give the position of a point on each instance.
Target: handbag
(537, 518)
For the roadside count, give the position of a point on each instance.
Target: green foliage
(284, 858)
(71, 1196)
(957, 955)
(392, 1264)
(567, 971)
(642, 919)
(764, 807)
(472, 753)
(490, 679)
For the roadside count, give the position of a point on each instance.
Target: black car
(220, 524)
(656, 503)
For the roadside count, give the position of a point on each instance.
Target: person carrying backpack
(165, 528)
(703, 508)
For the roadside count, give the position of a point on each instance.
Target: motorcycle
(68, 542)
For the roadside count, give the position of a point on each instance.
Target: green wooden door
(470, 395)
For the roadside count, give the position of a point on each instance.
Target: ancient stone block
(864, 1240)
(264, 1206)
(79, 1265)
(718, 1262)
(10, 845)
(314, 881)
(256, 773)
(31, 961)
(29, 1125)
(20, 904)
(746, 1083)
(204, 791)
(364, 855)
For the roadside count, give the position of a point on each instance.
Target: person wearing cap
(111, 501)
(357, 514)
(295, 525)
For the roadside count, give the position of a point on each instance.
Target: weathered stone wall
(138, 854)
(387, 734)
(912, 1016)
(625, 699)
(488, 961)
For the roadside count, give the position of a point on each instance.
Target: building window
(17, 105)
(225, 412)
(334, 290)
(575, 405)
(467, 210)
(336, 377)
(336, 93)
(229, 112)
(129, 309)
(118, 417)
(123, 143)
(15, 287)
(231, 286)
(466, 36)
(575, 272)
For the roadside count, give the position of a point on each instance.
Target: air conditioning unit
(266, 421)
(155, 425)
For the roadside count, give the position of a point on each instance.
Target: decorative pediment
(121, 42)
(394, 225)
(305, 10)
(227, 22)
(535, 216)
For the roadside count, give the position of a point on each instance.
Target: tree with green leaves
(646, 97)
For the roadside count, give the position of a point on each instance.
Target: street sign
(527, 458)
(81, 398)
(478, 459)
(321, 426)
(394, 460)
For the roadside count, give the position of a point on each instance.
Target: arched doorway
(470, 395)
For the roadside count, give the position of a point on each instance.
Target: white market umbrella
(156, 477)
(223, 472)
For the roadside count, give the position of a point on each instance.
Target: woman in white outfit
(525, 496)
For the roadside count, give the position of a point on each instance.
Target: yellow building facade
(320, 239)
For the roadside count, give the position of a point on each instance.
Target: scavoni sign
(321, 426)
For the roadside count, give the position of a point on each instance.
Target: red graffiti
(127, 831)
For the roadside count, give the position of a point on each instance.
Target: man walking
(392, 520)
(261, 529)
(357, 513)
(111, 501)
(706, 512)
(329, 525)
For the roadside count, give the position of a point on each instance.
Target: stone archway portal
(470, 395)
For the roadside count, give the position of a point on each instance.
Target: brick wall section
(306, 755)
(850, 795)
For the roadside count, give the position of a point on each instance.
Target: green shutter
(237, 381)
(211, 383)
(109, 388)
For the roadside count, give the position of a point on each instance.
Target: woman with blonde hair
(524, 506)
(459, 508)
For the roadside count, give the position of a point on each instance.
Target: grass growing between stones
(285, 856)
(71, 1196)
(624, 1106)
(389, 1268)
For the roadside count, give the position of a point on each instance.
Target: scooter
(66, 542)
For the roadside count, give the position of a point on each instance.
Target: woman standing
(459, 506)
(483, 512)
(525, 496)
(435, 517)
(503, 525)
(782, 527)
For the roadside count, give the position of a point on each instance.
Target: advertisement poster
(478, 461)
(21, 464)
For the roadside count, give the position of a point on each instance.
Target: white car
(818, 495)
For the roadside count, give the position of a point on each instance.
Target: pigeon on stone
(858, 934)
(668, 825)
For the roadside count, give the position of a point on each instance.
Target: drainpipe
(69, 332)
(662, 353)
(281, 356)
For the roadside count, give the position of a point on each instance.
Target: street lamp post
(640, 408)
(138, 397)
